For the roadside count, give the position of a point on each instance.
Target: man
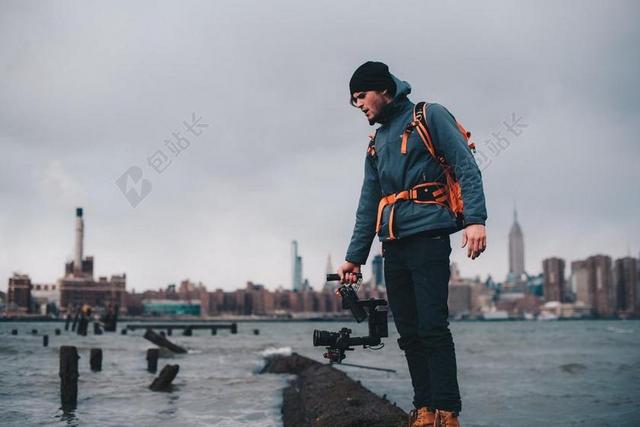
(414, 232)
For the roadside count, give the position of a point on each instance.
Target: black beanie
(372, 76)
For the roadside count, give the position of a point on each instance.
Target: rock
(322, 396)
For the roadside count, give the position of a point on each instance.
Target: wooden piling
(83, 323)
(68, 376)
(163, 381)
(152, 359)
(57, 331)
(187, 332)
(124, 331)
(14, 332)
(169, 330)
(75, 321)
(214, 331)
(234, 328)
(256, 332)
(162, 342)
(45, 340)
(95, 359)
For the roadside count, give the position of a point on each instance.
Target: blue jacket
(391, 172)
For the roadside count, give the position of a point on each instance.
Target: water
(511, 374)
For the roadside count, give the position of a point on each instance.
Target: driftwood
(163, 342)
(163, 381)
(322, 396)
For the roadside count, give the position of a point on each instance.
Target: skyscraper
(600, 285)
(296, 267)
(516, 251)
(329, 270)
(625, 275)
(554, 283)
(580, 282)
(377, 265)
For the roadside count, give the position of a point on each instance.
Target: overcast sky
(91, 89)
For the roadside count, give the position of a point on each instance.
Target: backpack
(419, 123)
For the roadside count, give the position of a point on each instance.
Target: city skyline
(88, 102)
(298, 282)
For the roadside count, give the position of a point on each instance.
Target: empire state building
(516, 252)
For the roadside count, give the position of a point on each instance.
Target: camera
(337, 343)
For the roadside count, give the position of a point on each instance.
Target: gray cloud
(88, 89)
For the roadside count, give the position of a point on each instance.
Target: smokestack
(77, 262)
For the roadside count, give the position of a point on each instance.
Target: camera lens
(324, 338)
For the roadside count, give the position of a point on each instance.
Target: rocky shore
(322, 396)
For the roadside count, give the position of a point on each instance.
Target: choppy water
(511, 374)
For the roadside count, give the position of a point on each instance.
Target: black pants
(416, 271)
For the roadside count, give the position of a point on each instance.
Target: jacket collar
(393, 109)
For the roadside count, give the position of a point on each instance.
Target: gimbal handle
(336, 277)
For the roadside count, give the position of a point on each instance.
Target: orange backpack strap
(420, 124)
(371, 150)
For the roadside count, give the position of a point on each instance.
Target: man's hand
(346, 270)
(476, 236)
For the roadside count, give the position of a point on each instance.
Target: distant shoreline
(282, 320)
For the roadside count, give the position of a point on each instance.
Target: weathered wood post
(234, 328)
(187, 332)
(214, 331)
(45, 340)
(163, 381)
(57, 331)
(113, 326)
(83, 323)
(152, 359)
(95, 359)
(68, 376)
(75, 321)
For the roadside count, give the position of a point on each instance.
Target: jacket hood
(397, 104)
(402, 88)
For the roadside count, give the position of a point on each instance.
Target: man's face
(370, 102)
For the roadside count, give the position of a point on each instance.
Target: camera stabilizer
(339, 342)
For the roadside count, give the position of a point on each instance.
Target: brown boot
(421, 417)
(446, 419)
